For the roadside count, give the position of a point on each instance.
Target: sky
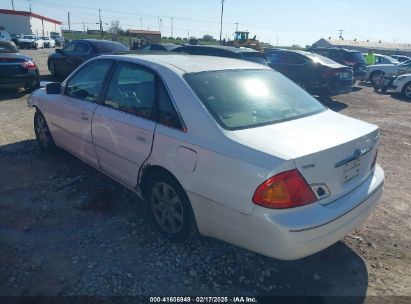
(279, 22)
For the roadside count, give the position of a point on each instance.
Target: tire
(375, 77)
(33, 87)
(43, 135)
(406, 90)
(170, 208)
(52, 69)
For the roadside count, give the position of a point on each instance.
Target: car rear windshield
(320, 59)
(255, 57)
(355, 56)
(6, 47)
(29, 37)
(109, 47)
(241, 99)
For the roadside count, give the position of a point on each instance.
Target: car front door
(70, 113)
(123, 125)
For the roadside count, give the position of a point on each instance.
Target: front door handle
(84, 116)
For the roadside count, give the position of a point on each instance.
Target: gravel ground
(65, 229)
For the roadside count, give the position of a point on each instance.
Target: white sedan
(48, 42)
(402, 85)
(229, 148)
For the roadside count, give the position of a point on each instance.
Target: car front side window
(87, 83)
(131, 90)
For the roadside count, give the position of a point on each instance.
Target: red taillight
(285, 190)
(349, 63)
(28, 65)
(330, 73)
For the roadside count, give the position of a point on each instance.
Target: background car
(66, 60)
(383, 59)
(351, 58)
(374, 71)
(317, 74)
(31, 42)
(4, 35)
(48, 42)
(223, 51)
(59, 40)
(16, 38)
(402, 85)
(229, 148)
(401, 58)
(16, 69)
(166, 47)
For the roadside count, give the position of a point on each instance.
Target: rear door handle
(84, 116)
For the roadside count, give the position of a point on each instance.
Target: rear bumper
(292, 233)
(30, 78)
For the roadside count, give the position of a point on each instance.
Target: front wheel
(170, 208)
(406, 91)
(43, 134)
(375, 77)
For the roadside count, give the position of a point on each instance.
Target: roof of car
(333, 48)
(221, 47)
(195, 63)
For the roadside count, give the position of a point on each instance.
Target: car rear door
(124, 124)
(70, 114)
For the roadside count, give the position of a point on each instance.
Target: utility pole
(68, 20)
(141, 23)
(12, 4)
(171, 27)
(29, 5)
(221, 20)
(236, 26)
(341, 34)
(101, 23)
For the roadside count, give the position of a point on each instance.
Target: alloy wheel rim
(42, 131)
(408, 91)
(375, 78)
(167, 208)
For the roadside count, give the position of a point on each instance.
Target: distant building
(148, 37)
(28, 23)
(363, 46)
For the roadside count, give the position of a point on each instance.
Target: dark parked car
(317, 74)
(351, 58)
(166, 47)
(15, 38)
(58, 39)
(223, 51)
(66, 60)
(17, 70)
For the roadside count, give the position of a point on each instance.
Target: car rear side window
(87, 83)
(166, 113)
(240, 99)
(131, 90)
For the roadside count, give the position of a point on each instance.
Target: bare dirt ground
(65, 229)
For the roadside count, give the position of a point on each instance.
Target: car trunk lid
(333, 152)
(10, 65)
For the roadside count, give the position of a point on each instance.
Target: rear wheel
(406, 90)
(375, 77)
(170, 208)
(43, 135)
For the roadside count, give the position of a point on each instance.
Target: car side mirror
(53, 88)
(59, 51)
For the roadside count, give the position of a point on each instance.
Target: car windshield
(241, 99)
(109, 47)
(6, 47)
(319, 58)
(392, 60)
(29, 37)
(355, 56)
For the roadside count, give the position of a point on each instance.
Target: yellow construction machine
(241, 40)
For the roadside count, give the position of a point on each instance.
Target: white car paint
(48, 42)
(388, 69)
(402, 85)
(221, 169)
(32, 38)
